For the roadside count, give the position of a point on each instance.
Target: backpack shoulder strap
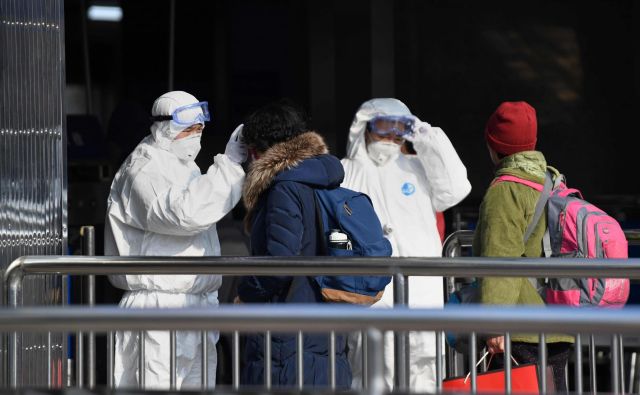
(320, 244)
(320, 239)
(540, 205)
(545, 192)
(519, 180)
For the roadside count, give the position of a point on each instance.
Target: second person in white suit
(406, 191)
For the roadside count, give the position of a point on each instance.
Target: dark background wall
(452, 62)
(575, 62)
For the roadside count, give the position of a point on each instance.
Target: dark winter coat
(279, 196)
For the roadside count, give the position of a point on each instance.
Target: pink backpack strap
(531, 184)
(545, 193)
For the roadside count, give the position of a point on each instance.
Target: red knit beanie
(512, 128)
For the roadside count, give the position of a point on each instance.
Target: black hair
(408, 145)
(274, 123)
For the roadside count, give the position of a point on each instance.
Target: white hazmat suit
(161, 204)
(406, 191)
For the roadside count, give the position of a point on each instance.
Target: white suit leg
(190, 368)
(424, 292)
(355, 347)
(356, 363)
(157, 352)
(125, 370)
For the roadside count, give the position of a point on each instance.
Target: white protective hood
(356, 145)
(165, 131)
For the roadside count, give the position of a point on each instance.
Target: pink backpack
(577, 228)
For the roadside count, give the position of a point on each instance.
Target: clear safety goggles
(386, 125)
(187, 115)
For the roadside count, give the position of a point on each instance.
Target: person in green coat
(505, 212)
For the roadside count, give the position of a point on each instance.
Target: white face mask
(187, 148)
(382, 152)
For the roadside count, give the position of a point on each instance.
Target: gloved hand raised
(236, 148)
(420, 131)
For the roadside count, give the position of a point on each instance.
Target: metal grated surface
(32, 164)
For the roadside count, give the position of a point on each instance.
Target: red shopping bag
(524, 380)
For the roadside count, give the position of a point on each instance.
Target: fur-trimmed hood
(304, 159)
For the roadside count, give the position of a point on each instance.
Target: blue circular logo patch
(408, 189)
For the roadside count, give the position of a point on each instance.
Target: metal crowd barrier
(459, 240)
(398, 267)
(452, 248)
(325, 318)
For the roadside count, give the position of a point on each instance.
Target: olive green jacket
(505, 213)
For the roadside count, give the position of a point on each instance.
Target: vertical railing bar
(110, 359)
(400, 351)
(632, 371)
(636, 375)
(141, 360)
(621, 362)
(300, 360)
(615, 365)
(204, 364)
(542, 358)
(507, 363)
(451, 364)
(49, 365)
(66, 371)
(332, 360)
(485, 364)
(91, 341)
(89, 249)
(592, 365)
(578, 365)
(267, 360)
(5, 359)
(235, 360)
(365, 361)
(172, 361)
(473, 361)
(439, 356)
(79, 359)
(407, 342)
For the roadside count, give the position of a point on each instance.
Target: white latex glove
(236, 148)
(420, 131)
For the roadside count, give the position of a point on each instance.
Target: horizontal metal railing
(308, 266)
(464, 238)
(399, 267)
(324, 318)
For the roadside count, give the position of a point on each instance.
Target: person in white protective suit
(407, 191)
(161, 204)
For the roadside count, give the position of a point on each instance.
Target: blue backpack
(351, 213)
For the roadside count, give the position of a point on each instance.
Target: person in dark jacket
(290, 162)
